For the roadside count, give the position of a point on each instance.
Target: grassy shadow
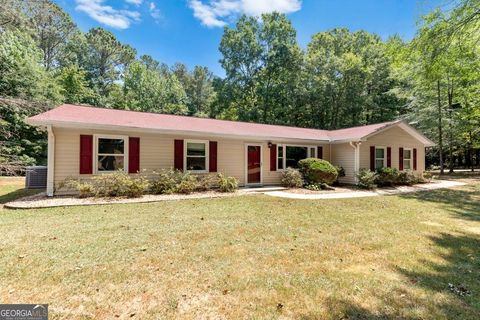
(464, 203)
(16, 194)
(455, 275)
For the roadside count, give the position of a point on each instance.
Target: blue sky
(189, 31)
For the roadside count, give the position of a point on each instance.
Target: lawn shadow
(463, 203)
(16, 194)
(456, 275)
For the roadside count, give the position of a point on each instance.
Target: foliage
(226, 183)
(367, 179)
(291, 178)
(187, 184)
(316, 170)
(408, 178)
(117, 184)
(387, 177)
(165, 181)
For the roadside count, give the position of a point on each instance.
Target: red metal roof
(73, 115)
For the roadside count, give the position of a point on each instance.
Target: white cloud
(135, 2)
(215, 12)
(154, 11)
(97, 10)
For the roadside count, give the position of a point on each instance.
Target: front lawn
(414, 256)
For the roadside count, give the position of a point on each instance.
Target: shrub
(407, 178)
(165, 181)
(341, 173)
(366, 179)
(84, 188)
(318, 186)
(317, 171)
(188, 184)
(227, 184)
(387, 177)
(291, 178)
(427, 176)
(119, 184)
(207, 182)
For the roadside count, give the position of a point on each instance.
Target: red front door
(253, 164)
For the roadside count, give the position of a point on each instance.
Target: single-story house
(85, 141)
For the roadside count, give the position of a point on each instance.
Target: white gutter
(51, 162)
(356, 159)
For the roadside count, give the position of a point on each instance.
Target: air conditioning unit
(35, 177)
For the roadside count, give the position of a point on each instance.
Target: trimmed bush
(207, 182)
(387, 177)
(408, 178)
(367, 179)
(119, 184)
(317, 171)
(291, 178)
(227, 184)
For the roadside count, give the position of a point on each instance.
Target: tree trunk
(450, 133)
(440, 129)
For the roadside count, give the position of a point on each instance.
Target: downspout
(51, 162)
(356, 159)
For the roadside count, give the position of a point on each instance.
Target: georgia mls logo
(23, 311)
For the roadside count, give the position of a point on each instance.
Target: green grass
(249, 257)
(11, 188)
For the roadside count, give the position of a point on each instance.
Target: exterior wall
(157, 152)
(343, 155)
(395, 138)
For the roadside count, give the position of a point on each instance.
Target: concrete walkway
(440, 184)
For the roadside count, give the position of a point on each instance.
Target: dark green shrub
(317, 171)
(366, 179)
(227, 184)
(387, 177)
(291, 178)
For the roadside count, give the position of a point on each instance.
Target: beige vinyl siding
(157, 152)
(395, 138)
(344, 155)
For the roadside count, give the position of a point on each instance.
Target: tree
(151, 91)
(74, 85)
(106, 60)
(262, 60)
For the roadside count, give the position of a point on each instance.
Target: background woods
(340, 79)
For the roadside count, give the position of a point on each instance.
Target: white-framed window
(280, 157)
(380, 157)
(196, 155)
(111, 153)
(289, 155)
(407, 159)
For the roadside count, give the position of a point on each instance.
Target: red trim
(86, 154)
(178, 155)
(372, 158)
(212, 150)
(273, 157)
(414, 159)
(320, 152)
(133, 155)
(389, 157)
(400, 159)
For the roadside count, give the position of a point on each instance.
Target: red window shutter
(212, 150)
(320, 152)
(414, 159)
(178, 155)
(372, 158)
(400, 158)
(86, 154)
(389, 157)
(273, 157)
(133, 155)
